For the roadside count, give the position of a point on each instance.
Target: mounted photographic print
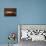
(9, 11)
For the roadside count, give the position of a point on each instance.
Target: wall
(28, 12)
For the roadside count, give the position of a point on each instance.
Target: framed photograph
(9, 11)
